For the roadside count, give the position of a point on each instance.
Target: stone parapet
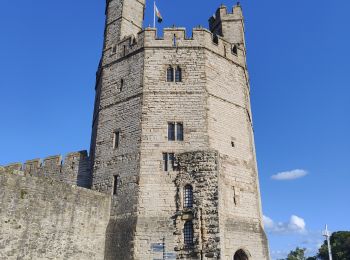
(74, 169)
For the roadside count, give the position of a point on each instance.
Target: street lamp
(327, 234)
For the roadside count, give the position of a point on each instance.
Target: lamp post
(327, 234)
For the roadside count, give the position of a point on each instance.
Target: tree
(340, 244)
(297, 254)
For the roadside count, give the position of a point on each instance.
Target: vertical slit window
(178, 74)
(116, 139)
(124, 50)
(234, 50)
(172, 161)
(165, 162)
(188, 233)
(171, 131)
(179, 132)
(121, 85)
(115, 184)
(188, 196)
(170, 74)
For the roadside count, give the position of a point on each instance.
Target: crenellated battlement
(222, 14)
(175, 37)
(74, 169)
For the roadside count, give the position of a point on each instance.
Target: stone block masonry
(41, 218)
(154, 196)
(74, 169)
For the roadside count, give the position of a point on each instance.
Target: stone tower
(172, 140)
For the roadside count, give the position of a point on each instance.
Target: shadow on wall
(119, 238)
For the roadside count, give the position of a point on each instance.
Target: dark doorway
(240, 255)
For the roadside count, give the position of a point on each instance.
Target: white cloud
(294, 225)
(289, 175)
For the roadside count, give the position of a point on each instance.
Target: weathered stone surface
(41, 218)
(74, 170)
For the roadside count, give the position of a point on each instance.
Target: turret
(230, 26)
(123, 18)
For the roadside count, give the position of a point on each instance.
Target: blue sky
(298, 58)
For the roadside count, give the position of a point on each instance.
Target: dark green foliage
(340, 243)
(297, 254)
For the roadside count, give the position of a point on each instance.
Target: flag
(157, 13)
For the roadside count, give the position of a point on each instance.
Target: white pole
(154, 14)
(327, 234)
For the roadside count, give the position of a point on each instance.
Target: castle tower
(172, 140)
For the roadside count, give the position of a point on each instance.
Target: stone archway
(240, 255)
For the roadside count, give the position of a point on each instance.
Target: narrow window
(170, 74)
(232, 143)
(116, 139)
(115, 184)
(179, 132)
(178, 74)
(124, 50)
(171, 131)
(188, 196)
(172, 161)
(188, 233)
(114, 49)
(165, 162)
(121, 85)
(234, 50)
(215, 39)
(169, 162)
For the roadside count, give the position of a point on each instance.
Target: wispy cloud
(289, 175)
(294, 225)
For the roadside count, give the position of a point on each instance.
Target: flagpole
(154, 14)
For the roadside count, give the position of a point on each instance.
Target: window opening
(121, 85)
(171, 131)
(234, 50)
(215, 39)
(170, 74)
(116, 139)
(178, 74)
(165, 162)
(240, 255)
(188, 196)
(115, 184)
(188, 233)
(169, 162)
(179, 131)
(114, 49)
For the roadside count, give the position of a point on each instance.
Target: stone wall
(41, 218)
(200, 169)
(74, 169)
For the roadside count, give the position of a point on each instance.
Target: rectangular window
(165, 162)
(178, 74)
(179, 132)
(116, 139)
(115, 184)
(171, 131)
(172, 161)
(170, 74)
(169, 162)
